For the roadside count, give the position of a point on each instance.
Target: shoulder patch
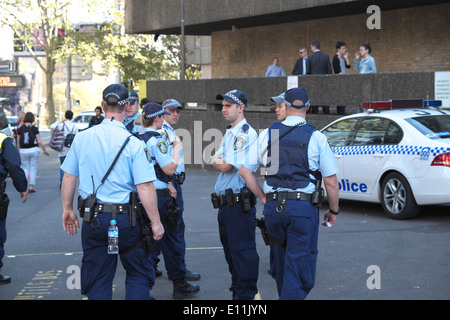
(147, 154)
(162, 147)
(239, 143)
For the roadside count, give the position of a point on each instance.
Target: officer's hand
(176, 140)
(158, 230)
(329, 217)
(70, 222)
(172, 190)
(24, 196)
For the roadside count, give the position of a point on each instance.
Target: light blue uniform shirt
(320, 155)
(169, 133)
(159, 150)
(136, 128)
(236, 147)
(92, 153)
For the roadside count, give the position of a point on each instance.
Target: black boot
(4, 279)
(183, 289)
(192, 276)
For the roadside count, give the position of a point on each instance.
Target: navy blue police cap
(234, 96)
(117, 92)
(152, 110)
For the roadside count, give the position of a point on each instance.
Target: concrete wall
(348, 90)
(196, 124)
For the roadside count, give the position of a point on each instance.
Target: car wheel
(398, 200)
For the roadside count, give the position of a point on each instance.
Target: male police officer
(235, 203)
(90, 158)
(9, 163)
(293, 151)
(165, 164)
(132, 112)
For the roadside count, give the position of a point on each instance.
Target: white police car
(399, 157)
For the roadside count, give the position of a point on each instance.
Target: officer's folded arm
(147, 194)
(218, 163)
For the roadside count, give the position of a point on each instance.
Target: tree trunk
(49, 94)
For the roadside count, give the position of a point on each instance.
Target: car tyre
(397, 198)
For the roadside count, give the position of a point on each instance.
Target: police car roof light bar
(393, 104)
(432, 103)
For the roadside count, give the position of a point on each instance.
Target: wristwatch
(335, 212)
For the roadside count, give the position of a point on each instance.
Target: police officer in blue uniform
(236, 204)
(89, 159)
(9, 163)
(174, 109)
(132, 112)
(293, 152)
(165, 162)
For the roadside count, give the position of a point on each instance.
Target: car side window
(338, 134)
(377, 131)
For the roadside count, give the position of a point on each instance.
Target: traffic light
(76, 102)
(12, 66)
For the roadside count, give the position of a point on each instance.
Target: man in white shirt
(69, 127)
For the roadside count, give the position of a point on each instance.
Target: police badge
(239, 144)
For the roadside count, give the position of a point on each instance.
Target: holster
(134, 208)
(317, 196)
(248, 199)
(146, 230)
(267, 237)
(4, 203)
(180, 177)
(172, 212)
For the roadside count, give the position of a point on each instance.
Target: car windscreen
(433, 127)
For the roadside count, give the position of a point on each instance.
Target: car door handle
(379, 155)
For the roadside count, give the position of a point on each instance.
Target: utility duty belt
(246, 197)
(288, 195)
(89, 209)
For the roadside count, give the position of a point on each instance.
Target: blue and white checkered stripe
(390, 149)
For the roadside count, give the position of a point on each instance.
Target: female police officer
(165, 164)
(293, 151)
(91, 155)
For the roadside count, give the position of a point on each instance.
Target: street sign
(12, 81)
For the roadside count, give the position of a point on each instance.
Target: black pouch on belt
(4, 203)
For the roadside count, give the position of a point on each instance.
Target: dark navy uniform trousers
(237, 234)
(294, 267)
(98, 267)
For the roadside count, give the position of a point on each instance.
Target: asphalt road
(365, 256)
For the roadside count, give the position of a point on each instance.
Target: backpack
(69, 138)
(27, 138)
(57, 139)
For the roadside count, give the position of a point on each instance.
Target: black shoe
(183, 289)
(192, 276)
(4, 279)
(158, 273)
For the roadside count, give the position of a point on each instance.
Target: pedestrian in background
(367, 62)
(275, 70)
(98, 117)
(29, 142)
(69, 128)
(300, 64)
